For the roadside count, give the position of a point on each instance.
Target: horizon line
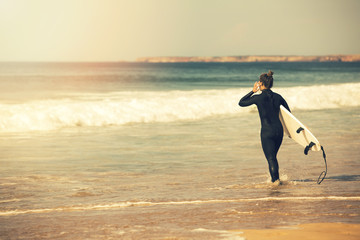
(236, 58)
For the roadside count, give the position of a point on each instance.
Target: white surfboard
(301, 134)
(297, 131)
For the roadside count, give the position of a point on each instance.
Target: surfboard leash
(323, 173)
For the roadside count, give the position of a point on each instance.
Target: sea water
(134, 150)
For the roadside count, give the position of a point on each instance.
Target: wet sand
(327, 231)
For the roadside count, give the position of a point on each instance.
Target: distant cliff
(327, 58)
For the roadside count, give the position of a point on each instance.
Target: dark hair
(267, 79)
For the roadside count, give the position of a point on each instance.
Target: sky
(124, 30)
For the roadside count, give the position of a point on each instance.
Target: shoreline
(329, 231)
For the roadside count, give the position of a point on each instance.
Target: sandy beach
(309, 231)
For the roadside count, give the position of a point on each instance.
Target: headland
(255, 58)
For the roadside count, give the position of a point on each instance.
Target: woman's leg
(270, 148)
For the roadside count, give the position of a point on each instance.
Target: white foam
(143, 107)
(9, 200)
(149, 204)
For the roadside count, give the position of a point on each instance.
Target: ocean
(163, 151)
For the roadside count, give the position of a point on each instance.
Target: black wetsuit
(268, 104)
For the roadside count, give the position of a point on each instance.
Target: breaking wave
(119, 108)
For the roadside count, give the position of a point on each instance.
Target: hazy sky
(111, 30)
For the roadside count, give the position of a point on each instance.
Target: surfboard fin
(299, 130)
(308, 147)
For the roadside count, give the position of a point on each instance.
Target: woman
(268, 104)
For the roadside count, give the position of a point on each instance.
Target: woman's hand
(256, 87)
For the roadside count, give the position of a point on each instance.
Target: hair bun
(270, 73)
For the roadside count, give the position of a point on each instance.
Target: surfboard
(302, 135)
(297, 131)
